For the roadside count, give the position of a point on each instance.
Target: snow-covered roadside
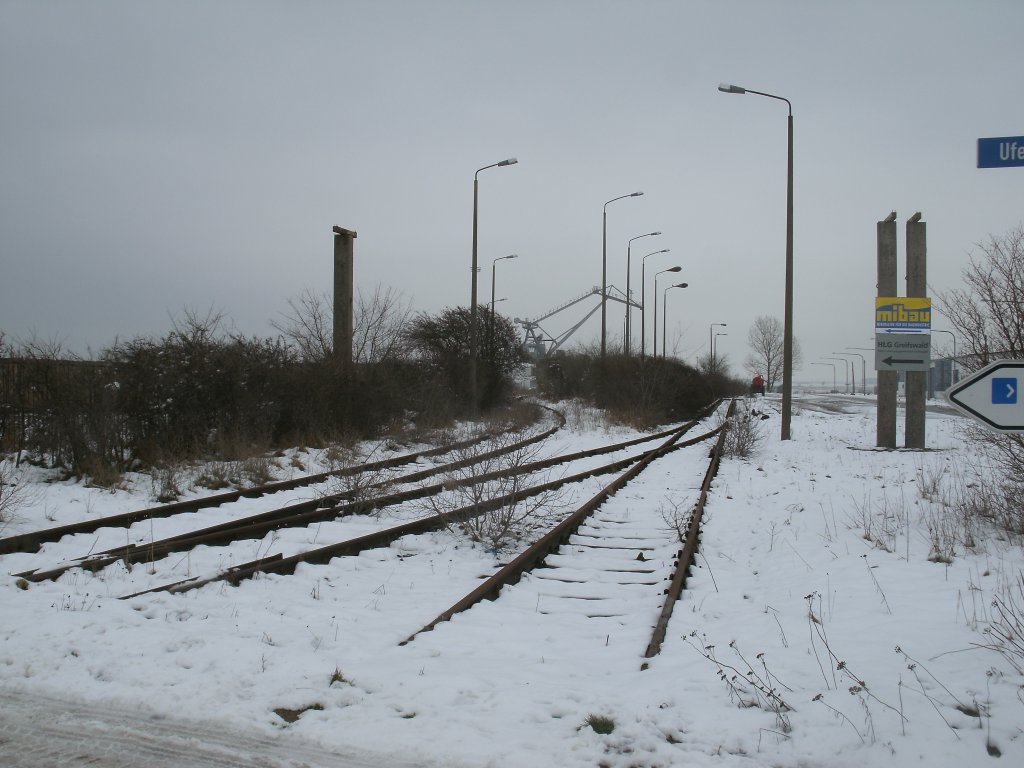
(785, 571)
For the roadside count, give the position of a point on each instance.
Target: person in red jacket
(757, 385)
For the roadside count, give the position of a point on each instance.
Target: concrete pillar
(344, 272)
(917, 381)
(887, 380)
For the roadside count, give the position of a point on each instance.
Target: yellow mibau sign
(903, 313)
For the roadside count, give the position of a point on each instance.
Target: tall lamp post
(787, 344)
(714, 347)
(846, 371)
(711, 343)
(664, 314)
(654, 349)
(853, 375)
(643, 301)
(952, 370)
(472, 301)
(629, 294)
(815, 362)
(490, 324)
(494, 265)
(604, 270)
(863, 369)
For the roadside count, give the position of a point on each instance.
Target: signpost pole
(887, 380)
(917, 381)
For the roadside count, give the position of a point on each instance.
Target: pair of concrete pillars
(888, 381)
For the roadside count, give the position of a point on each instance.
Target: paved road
(45, 732)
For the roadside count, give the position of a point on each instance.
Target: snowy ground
(814, 576)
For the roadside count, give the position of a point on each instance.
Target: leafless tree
(988, 311)
(717, 365)
(379, 323)
(988, 314)
(308, 325)
(196, 331)
(767, 343)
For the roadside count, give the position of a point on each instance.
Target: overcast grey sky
(196, 153)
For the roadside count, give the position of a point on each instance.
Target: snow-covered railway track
(364, 535)
(602, 568)
(367, 535)
(32, 541)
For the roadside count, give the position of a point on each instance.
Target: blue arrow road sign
(1001, 152)
(991, 396)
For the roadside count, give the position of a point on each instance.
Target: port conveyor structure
(539, 343)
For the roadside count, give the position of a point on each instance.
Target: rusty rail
(559, 535)
(318, 510)
(383, 538)
(33, 540)
(686, 555)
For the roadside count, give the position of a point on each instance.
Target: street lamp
(472, 301)
(787, 344)
(952, 371)
(815, 362)
(643, 302)
(670, 269)
(629, 294)
(853, 375)
(863, 368)
(664, 314)
(490, 324)
(846, 371)
(711, 344)
(604, 269)
(494, 265)
(716, 342)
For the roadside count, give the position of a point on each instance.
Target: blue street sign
(1001, 152)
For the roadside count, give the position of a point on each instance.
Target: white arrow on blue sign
(993, 395)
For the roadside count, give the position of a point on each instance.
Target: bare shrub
(581, 417)
(987, 312)
(942, 533)
(13, 493)
(881, 520)
(487, 501)
(978, 498)
(165, 482)
(930, 479)
(676, 516)
(99, 473)
(217, 475)
(257, 470)
(744, 433)
(1006, 630)
(356, 486)
(749, 685)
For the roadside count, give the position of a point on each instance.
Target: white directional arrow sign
(994, 395)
